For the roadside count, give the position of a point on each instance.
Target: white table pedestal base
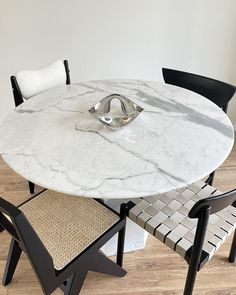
(135, 238)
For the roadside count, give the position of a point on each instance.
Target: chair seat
(165, 216)
(66, 224)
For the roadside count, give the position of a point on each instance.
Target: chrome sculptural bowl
(117, 117)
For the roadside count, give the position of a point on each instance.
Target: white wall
(118, 38)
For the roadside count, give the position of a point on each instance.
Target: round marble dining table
(53, 141)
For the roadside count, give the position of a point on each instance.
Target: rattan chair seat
(66, 224)
(165, 216)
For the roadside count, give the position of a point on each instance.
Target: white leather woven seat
(67, 225)
(165, 216)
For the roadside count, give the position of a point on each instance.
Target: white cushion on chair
(34, 82)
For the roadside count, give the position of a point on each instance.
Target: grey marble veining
(53, 141)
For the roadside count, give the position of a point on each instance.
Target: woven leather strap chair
(26, 84)
(193, 221)
(61, 235)
(218, 92)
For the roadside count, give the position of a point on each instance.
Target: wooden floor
(154, 270)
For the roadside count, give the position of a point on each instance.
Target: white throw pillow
(34, 82)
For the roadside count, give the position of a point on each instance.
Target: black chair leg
(191, 278)
(31, 187)
(102, 264)
(120, 247)
(1, 228)
(121, 237)
(233, 249)
(196, 251)
(12, 260)
(210, 179)
(75, 283)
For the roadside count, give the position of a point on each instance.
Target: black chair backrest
(21, 230)
(18, 97)
(67, 69)
(218, 92)
(214, 203)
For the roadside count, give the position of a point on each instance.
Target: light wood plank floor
(154, 270)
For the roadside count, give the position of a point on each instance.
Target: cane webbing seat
(165, 216)
(66, 224)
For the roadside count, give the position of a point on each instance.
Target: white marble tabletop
(53, 141)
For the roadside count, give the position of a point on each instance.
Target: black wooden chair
(218, 92)
(193, 221)
(17, 85)
(62, 235)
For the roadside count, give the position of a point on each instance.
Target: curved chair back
(29, 83)
(214, 203)
(218, 92)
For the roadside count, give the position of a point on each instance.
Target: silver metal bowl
(116, 118)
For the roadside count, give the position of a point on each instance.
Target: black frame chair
(18, 99)
(70, 279)
(202, 209)
(217, 91)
